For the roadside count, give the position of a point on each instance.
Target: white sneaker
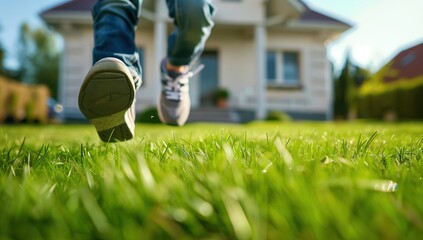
(107, 99)
(174, 103)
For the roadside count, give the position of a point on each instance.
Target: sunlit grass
(255, 181)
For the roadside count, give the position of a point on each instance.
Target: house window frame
(280, 82)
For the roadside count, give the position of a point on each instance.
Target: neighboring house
(403, 69)
(396, 90)
(270, 55)
(407, 65)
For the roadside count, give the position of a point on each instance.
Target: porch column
(329, 88)
(260, 42)
(160, 29)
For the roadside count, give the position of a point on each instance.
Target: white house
(269, 54)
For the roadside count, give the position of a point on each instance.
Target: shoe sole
(105, 98)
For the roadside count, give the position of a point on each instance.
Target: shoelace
(136, 77)
(173, 87)
(133, 64)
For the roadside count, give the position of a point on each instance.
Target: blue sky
(381, 27)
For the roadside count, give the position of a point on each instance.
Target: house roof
(313, 16)
(307, 16)
(71, 6)
(406, 65)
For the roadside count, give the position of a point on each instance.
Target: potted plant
(221, 97)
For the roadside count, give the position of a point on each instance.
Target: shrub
(150, 115)
(278, 116)
(418, 102)
(403, 99)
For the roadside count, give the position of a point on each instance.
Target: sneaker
(107, 99)
(174, 103)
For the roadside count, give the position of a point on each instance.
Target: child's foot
(174, 103)
(107, 99)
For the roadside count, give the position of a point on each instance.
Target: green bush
(363, 107)
(388, 101)
(406, 104)
(418, 102)
(404, 100)
(278, 116)
(375, 109)
(150, 115)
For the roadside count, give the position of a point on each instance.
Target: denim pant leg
(193, 21)
(115, 22)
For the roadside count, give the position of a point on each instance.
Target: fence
(23, 103)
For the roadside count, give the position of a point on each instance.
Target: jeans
(115, 24)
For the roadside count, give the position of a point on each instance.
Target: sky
(381, 28)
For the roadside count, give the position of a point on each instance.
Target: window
(271, 67)
(409, 58)
(291, 73)
(283, 68)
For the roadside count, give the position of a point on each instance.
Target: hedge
(403, 99)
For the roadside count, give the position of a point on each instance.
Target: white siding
(312, 97)
(237, 66)
(77, 62)
(239, 12)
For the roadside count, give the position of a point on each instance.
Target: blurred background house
(262, 55)
(395, 92)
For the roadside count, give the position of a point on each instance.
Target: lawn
(213, 181)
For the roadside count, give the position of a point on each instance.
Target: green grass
(210, 181)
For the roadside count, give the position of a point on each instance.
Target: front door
(209, 81)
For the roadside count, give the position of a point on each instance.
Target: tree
(341, 91)
(2, 70)
(39, 57)
(346, 88)
(2, 55)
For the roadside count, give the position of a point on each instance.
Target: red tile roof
(408, 64)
